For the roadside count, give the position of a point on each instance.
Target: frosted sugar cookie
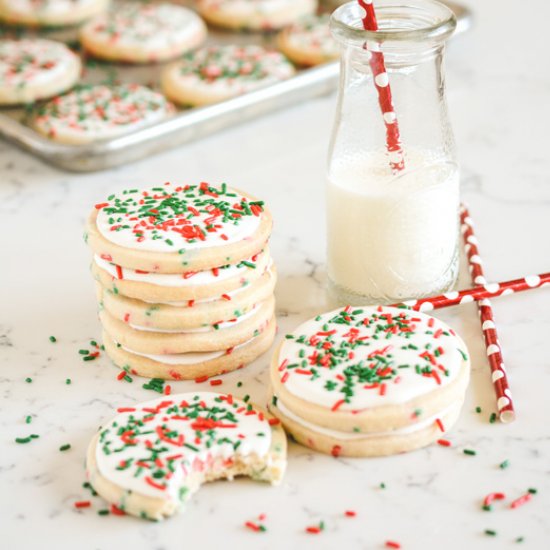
(223, 334)
(150, 458)
(143, 33)
(50, 13)
(188, 313)
(369, 381)
(94, 113)
(308, 41)
(35, 69)
(194, 286)
(178, 228)
(192, 365)
(254, 14)
(216, 73)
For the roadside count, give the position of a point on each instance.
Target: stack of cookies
(369, 381)
(185, 279)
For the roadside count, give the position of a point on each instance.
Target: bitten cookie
(179, 229)
(94, 113)
(143, 33)
(254, 14)
(35, 69)
(369, 381)
(50, 13)
(308, 41)
(218, 73)
(150, 458)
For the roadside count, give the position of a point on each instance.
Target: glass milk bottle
(392, 234)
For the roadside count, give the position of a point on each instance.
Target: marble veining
(498, 95)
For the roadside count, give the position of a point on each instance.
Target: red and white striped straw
(382, 84)
(488, 290)
(505, 404)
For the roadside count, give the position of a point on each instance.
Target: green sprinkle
(470, 452)
(382, 485)
(28, 419)
(83, 351)
(493, 418)
(68, 381)
(65, 447)
(53, 339)
(490, 532)
(28, 439)
(103, 512)
(532, 490)
(28, 380)
(504, 464)
(487, 507)
(478, 410)
(520, 539)
(239, 384)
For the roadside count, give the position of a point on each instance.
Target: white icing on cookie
(47, 9)
(362, 357)
(354, 436)
(101, 112)
(190, 358)
(228, 71)
(34, 62)
(202, 278)
(152, 448)
(178, 218)
(208, 328)
(147, 27)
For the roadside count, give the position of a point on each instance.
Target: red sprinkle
(444, 442)
(82, 504)
(167, 389)
(216, 382)
(200, 379)
(121, 375)
(119, 272)
(521, 501)
(252, 526)
(392, 544)
(313, 530)
(115, 510)
(440, 424)
(336, 450)
(101, 205)
(350, 513)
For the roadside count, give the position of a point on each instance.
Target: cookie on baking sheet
(217, 73)
(143, 33)
(34, 69)
(254, 15)
(151, 457)
(188, 313)
(308, 41)
(94, 113)
(179, 229)
(191, 365)
(369, 381)
(50, 13)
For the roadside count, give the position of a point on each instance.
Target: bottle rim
(398, 21)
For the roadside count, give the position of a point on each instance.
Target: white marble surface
(499, 87)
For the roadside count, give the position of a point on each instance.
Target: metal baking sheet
(186, 126)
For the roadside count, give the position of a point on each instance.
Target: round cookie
(218, 73)
(94, 113)
(143, 33)
(189, 313)
(369, 380)
(219, 336)
(50, 13)
(190, 285)
(254, 15)
(150, 458)
(191, 366)
(178, 228)
(34, 69)
(308, 41)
